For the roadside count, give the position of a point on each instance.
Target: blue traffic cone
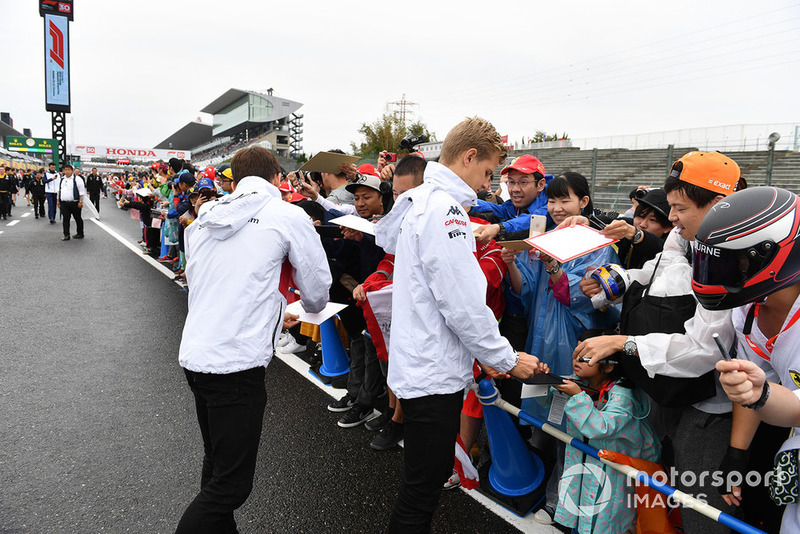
(334, 358)
(515, 471)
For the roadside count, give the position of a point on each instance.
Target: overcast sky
(141, 70)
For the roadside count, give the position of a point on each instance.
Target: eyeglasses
(522, 184)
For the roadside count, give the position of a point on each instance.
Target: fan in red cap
(746, 249)
(211, 172)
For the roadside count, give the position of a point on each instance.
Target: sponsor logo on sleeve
(456, 233)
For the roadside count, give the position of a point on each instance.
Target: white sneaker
(543, 517)
(292, 347)
(284, 339)
(453, 482)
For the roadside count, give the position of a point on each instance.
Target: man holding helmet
(746, 258)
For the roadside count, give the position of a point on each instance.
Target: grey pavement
(98, 429)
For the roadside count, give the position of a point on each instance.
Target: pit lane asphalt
(99, 431)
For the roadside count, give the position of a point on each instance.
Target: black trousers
(230, 412)
(430, 429)
(95, 198)
(5, 203)
(38, 205)
(71, 209)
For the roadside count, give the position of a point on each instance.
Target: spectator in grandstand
(245, 237)
(671, 335)
(526, 182)
(439, 309)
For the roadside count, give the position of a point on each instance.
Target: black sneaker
(78, 236)
(389, 437)
(380, 422)
(52, 221)
(342, 405)
(65, 238)
(355, 416)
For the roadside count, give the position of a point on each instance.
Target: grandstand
(618, 171)
(241, 118)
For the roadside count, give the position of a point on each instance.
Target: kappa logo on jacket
(454, 210)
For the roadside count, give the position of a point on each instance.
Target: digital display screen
(56, 63)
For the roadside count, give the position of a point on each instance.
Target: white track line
(26, 214)
(13, 223)
(136, 249)
(524, 524)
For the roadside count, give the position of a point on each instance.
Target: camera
(410, 141)
(390, 157)
(641, 193)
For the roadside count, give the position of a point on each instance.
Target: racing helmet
(613, 280)
(746, 248)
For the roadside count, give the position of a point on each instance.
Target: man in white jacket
(440, 321)
(241, 252)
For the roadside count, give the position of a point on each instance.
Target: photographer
(309, 188)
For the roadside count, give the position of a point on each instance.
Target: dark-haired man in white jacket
(241, 252)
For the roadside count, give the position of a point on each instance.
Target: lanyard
(748, 326)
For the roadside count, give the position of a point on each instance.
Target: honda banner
(56, 63)
(140, 154)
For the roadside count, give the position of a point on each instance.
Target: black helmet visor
(714, 266)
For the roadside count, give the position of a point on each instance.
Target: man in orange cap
(677, 341)
(526, 182)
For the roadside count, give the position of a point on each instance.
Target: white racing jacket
(440, 320)
(236, 254)
(695, 352)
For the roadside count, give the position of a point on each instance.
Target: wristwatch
(555, 269)
(501, 234)
(629, 348)
(762, 400)
(637, 236)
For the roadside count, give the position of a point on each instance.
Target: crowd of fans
(639, 363)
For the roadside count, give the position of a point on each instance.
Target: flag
(653, 515)
(463, 466)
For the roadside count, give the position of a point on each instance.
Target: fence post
(594, 170)
(670, 156)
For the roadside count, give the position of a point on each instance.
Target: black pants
(71, 209)
(230, 411)
(430, 429)
(5, 204)
(95, 198)
(38, 205)
(365, 380)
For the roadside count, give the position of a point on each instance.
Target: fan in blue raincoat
(554, 306)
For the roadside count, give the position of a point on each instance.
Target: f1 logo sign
(57, 49)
